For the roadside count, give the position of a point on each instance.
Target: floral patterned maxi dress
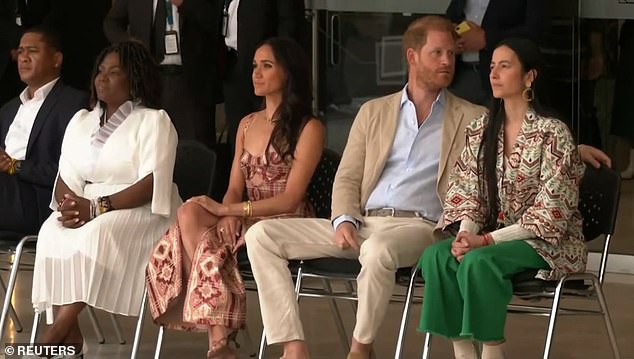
(213, 293)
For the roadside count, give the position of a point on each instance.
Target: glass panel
(360, 58)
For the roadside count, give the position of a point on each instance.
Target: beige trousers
(387, 243)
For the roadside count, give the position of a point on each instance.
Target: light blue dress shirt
(409, 178)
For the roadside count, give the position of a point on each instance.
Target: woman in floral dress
(193, 271)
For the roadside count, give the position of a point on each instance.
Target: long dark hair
(142, 71)
(295, 109)
(531, 59)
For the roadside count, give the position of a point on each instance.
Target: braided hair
(142, 71)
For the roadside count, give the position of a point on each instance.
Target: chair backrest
(194, 169)
(319, 191)
(599, 204)
(599, 201)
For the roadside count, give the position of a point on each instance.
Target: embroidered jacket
(538, 188)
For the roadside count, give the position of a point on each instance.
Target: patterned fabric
(538, 188)
(213, 293)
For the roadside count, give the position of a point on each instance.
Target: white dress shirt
(231, 38)
(410, 176)
(474, 11)
(20, 129)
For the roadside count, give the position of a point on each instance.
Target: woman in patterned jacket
(514, 194)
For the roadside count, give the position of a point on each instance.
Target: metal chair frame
(7, 306)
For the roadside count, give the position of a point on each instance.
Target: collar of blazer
(43, 114)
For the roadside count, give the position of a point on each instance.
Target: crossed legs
(194, 221)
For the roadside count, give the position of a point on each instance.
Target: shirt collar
(439, 101)
(40, 94)
(125, 109)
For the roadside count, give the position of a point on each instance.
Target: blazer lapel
(388, 123)
(5, 123)
(43, 114)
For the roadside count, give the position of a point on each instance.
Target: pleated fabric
(102, 263)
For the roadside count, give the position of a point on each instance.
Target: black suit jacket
(45, 142)
(199, 38)
(503, 19)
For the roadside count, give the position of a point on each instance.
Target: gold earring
(528, 94)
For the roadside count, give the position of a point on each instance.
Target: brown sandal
(220, 349)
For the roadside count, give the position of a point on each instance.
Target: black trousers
(193, 121)
(240, 100)
(18, 206)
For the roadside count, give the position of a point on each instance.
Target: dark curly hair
(142, 71)
(295, 109)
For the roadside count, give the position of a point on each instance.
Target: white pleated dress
(103, 262)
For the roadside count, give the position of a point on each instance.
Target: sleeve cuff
(467, 225)
(345, 218)
(513, 232)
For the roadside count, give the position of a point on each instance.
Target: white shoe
(628, 173)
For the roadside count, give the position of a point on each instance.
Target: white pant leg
(390, 243)
(270, 244)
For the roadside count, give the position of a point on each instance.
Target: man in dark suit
(31, 131)
(247, 24)
(489, 22)
(183, 35)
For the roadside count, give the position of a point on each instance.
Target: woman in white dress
(113, 198)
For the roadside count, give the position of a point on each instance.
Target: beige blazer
(370, 141)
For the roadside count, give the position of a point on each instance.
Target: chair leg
(552, 319)
(36, 322)
(350, 290)
(14, 316)
(139, 326)
(262, 345)
(427, 346)
(95, 324)
(405, 317)
(6, 305)
(117, 328)
(606, 318)
(159, 342)
(338, 321)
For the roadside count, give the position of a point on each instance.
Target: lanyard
(168, 13)
(226, 7)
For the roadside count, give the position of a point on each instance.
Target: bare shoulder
(313, 126)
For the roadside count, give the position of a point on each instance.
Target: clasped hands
(75, 211)
(465, 242)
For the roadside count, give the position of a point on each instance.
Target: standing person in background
(183, 37)
(82, 38)
(489, 21)
(246, 24)
(623, 112)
